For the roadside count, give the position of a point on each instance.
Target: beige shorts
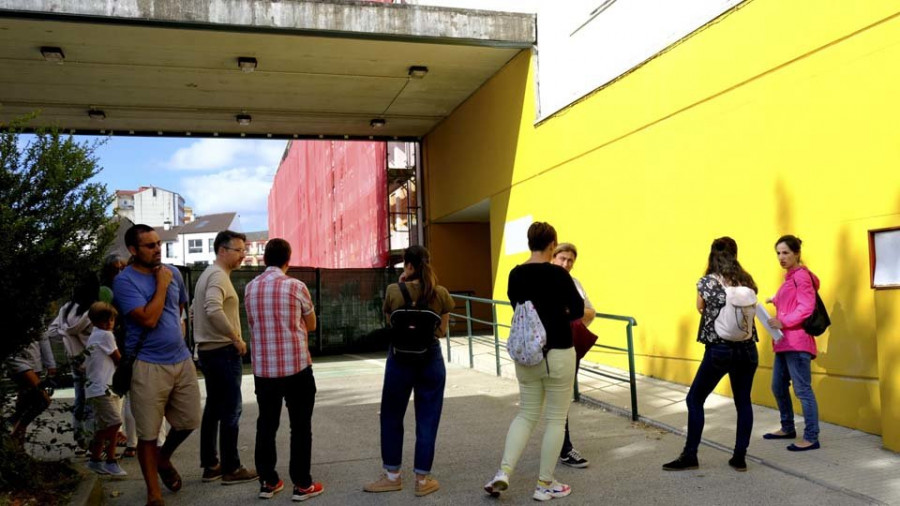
(107, 411)
(164, 390)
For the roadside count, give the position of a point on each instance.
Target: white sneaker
(114, 469)
(97, 467)
(555, 489)
(498, 483)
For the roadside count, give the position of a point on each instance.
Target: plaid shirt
(276, 304)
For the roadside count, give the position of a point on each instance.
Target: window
(170, 250)
(212, 243)
(195, 246)
(884, 258)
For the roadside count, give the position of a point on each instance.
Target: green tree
(55, 224)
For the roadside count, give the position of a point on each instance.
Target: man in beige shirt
(217, 332)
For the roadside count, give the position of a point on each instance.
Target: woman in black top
(545, 389)
(736, 359)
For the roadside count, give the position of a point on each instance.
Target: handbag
(582, 338)
(121, 380)
(816, 323)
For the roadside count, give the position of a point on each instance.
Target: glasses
(151, 245)
(238, 250)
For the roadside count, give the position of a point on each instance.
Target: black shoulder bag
(816, 323)
(121, 380)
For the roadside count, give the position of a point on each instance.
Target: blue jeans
(222, 414)
(793, 367)
(426, 377)
(82, 414)
(739, 361)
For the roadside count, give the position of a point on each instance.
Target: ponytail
(420, 259)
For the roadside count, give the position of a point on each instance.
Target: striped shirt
(276, 305)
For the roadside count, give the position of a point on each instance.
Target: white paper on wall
(887, 258)
(515, 235)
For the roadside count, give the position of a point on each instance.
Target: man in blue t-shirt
(152, 297)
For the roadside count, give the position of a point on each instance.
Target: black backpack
(412, 327)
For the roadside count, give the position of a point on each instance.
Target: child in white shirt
(100, 364)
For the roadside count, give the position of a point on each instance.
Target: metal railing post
(447, 337)
(631, 378)
(469, 331)
(577, 394)
(496, 337)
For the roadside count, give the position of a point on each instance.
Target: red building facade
(329, 200)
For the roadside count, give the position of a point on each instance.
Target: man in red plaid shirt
(280, 313)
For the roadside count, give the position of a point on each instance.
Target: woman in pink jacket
(794, 302)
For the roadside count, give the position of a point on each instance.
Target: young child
(100, 364)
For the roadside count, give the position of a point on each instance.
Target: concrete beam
(330, 18)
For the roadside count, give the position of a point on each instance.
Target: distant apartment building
(255, 248)
(151, 205)
(192, 244)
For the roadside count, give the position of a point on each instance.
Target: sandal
(129, 452)
(170, 478)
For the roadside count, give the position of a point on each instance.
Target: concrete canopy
(169, 67)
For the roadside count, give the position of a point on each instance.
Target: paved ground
(626, 457)
(850, 460)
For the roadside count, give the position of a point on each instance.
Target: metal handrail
(495, 325)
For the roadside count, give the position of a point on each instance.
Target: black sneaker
(738, 462)
(268, 490)
(682, 463)
(574, 459)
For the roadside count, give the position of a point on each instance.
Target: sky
(213, 175)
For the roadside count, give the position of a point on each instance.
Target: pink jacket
(795, 301)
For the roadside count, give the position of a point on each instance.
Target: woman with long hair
(545, 389)
(794, 302)
(737, 359)
(423, 373)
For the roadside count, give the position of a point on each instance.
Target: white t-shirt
(587, 301)
(98, 365)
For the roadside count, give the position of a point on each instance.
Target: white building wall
(205, 252)
(180, 249)
(155, 210)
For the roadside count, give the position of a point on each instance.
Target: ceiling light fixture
(377, 123)
(418, 71)
(247, 63)
(96, 114)
(243, 119)
(52, 53)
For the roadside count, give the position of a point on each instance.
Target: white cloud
(241, 190)
(218, 154)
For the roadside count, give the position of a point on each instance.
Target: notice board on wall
(884, 254)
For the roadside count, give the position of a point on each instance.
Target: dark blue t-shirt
(164, 343)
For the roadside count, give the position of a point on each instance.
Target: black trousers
(299, 393)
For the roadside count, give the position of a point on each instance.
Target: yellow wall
(460, 255)
(779, 118)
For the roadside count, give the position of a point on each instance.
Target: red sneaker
(268, 490)
(302, 494)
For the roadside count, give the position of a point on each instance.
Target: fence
(348, 304)
(494, 341)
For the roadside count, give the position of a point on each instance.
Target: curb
(89, 491)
